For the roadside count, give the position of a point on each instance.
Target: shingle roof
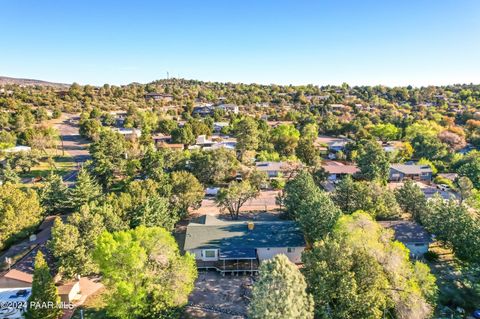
(236, 235)
(411, 169)
(407, 231)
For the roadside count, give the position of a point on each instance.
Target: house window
(210, 253)
(290, 250)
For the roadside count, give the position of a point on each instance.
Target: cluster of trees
(354, 269)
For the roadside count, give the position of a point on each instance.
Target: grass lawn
(458, 283)
(62, 164)
(93, 307)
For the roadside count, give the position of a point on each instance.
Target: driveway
(264, 202)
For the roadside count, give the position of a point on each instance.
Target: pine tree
(44, 293)
(280, 292)
(8, 175)
(86, 189)
(53, 194)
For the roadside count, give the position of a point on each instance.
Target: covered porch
(233, 261)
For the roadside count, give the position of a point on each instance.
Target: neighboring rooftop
(210, 232)
(411, 169)
(407, 231)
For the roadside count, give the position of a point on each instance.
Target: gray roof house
(239, 246)
(399, 172)
(411, 234)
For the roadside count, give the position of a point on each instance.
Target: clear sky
(417, 42)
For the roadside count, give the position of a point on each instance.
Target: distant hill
(30, 82)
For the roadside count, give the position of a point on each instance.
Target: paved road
(72, 142)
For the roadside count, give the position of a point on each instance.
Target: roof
(19, 275)
(407, 231)
(210, 232)
(272, 166)
(411, 169)
(341, 169)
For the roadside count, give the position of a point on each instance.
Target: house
(159, 97)
(129, 133)
(333, 144)
(240, 246)
(218, 126)
(228, 108)
(20, 276)
(399, 172)
(274, 169)
(203, 111)
(411, 234)
(337, 170)
(69, 291)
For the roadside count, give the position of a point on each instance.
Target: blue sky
(417, 42)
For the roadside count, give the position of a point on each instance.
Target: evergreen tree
(373, 162)
(53, 194)
(86, 189)
(8, 175)
(43, 293)
(280, 292)
(298, 190)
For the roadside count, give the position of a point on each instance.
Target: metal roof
(235, 235)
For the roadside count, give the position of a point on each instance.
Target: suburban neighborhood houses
(240, 159)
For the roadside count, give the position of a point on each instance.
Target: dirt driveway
(219, 297)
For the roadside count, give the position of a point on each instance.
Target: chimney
(250, 225)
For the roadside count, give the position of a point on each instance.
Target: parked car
(212, 191)
(443, 187)
(476, 314)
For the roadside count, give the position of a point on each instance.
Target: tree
(429, 147)
(154, 212)
(453, 140)
(453, 224)
(86, 190)
(145, 273)
(53, 194)
(411, 199)
(186, 191)
(464, 187)
(8, 175)
(214, 166)
(317, 216)
(183, 135)
(280, 292)
(373, 162)
(44, 300)
(385, 132)
(372, 197)
(471, 169)
(235, 195)
(307, 152)
(108, 156)
(345, 283)
(360, 272)
(285, 139)
(247, 134)
(20, 213)
(72, 243)
(297, 190)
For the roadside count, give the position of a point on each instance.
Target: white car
(443, 187)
